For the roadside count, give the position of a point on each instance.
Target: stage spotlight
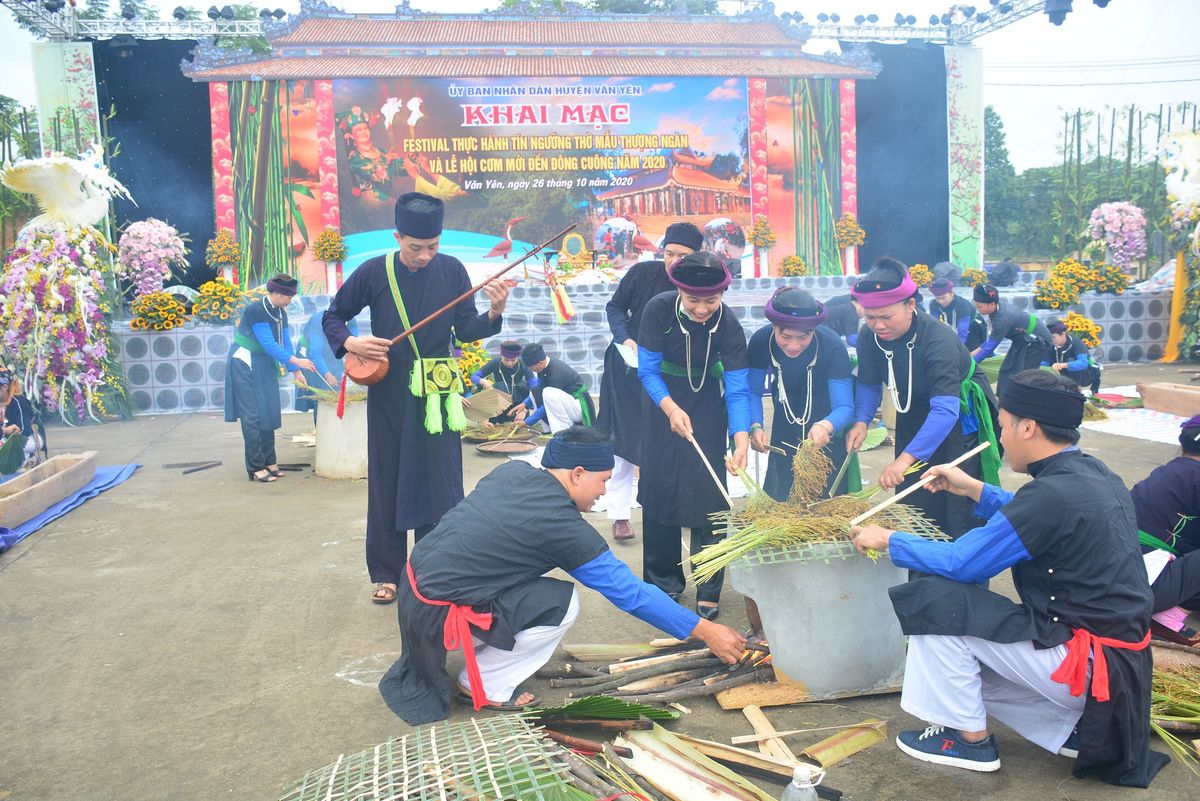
(214, 12)
(1057, 10)
(1101, 3)
(860, 19)
(983, 17)
(122, 45)
(180, 13)
(53, 6)
(872, 18)
(910, 20)
(128, 12)
(227, 12)
(946, 19)
(786, 16)
(968, 11)
(264, 13)
(933, 19)
(899, 19)
(1004, 8)
(822, 17)
(835, 19)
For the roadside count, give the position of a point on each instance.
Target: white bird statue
(70, 192)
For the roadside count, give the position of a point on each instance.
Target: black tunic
(413, 477)
(675, 489)
(489, 552)
(562, 376)
(1028, 348)
(832, 362)
(620, 391)
(507, 379)
(264, 370)
(1168, 495)
(960, 309)
(940, 364)
(1077, 522)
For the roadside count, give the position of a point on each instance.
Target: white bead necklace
(278, 319)
(788, 414)
(687, 344)
(892, 388)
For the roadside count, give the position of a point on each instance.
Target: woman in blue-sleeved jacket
(1070, 357)
(809, 369)
(261, 345)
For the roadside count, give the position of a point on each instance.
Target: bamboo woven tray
(508, 447)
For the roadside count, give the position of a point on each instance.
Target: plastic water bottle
(804, 784)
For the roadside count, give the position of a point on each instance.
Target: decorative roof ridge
(208, 55)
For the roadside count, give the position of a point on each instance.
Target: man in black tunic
(413, 476)
(620, 390)
(1067, 668)
(1029, 337)
(476, 583)
(957, 312)
(560, 395)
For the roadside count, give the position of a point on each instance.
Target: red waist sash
(1073, 670)
(456, 634)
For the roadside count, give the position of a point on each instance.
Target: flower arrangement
(222, 250)
(973, 276)
(471, 358)
(1069, 279)
(217, 302)
(329, 246)
(921, 274)
(1122, 228)
(1084, 328)
(157, 311)
(848, 232)
(54, 320)
(793, 267)
(253, 295)
(761, 235)
(147, 252)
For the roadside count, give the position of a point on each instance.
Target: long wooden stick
(720, 484)
(757, 738)
(841, 473)
(400, 337)
(980, 448)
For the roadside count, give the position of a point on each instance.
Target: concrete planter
(341, 444)
(829, 619)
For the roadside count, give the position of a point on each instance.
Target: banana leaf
(12, 455)
(601, 707)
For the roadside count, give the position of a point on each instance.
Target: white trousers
(503, 671)
(618, 493)
(959, 681)
(562, 410)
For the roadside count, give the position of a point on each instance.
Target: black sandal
(276, 472)
(267, 479)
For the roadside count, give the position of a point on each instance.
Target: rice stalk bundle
(353, 394)
(1092, 412)
(1175, 700)
(498, 432)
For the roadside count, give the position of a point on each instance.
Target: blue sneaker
(945, 746)
(1071, 747)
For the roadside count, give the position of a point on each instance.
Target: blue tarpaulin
(105, 478)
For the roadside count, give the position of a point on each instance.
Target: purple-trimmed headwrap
(283, 284)
(791, 307)
(1192, 422)
(941, 286)
(1056, 326)
(510, 349)
(702, 274)
(874, 294)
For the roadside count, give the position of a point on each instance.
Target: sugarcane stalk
(568, 671)
(578, 743)
(667, 680)
(688, 691)
(625, 667)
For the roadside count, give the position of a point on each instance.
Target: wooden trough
(1178, 399)
(29, 494)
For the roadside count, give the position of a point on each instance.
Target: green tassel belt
(679, 371)
(249, 343)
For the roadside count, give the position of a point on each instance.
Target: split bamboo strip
(720, 484)
(772, 744)
(980, 448)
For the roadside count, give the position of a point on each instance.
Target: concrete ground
(202, 637)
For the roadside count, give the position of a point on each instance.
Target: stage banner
(68, 111)
(964, 126)
(516, 160)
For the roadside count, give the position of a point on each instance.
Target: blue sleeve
(650, 374)
(613, 579)
(537, 417)
(964, 329)
(866, 402)
(990, 501)
(852, 340)
(756, 380)
(943, 414)
(974, 557)
(987, 349)
(1080, 362)
(737, 400)
(477, 375)
(262, 332)
(841, 401)
(1044, 363)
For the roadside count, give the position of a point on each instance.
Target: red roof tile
(527, 67)
(669, 31)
